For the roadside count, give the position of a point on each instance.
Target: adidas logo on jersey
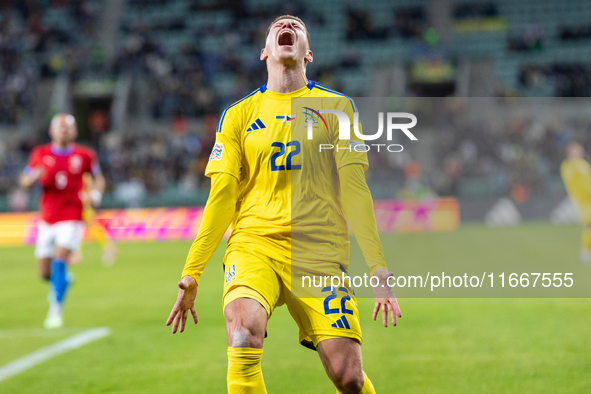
(341, 323)
(257, 125)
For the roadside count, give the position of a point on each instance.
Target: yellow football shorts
(269, 282)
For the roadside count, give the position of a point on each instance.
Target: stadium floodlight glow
(345, 125)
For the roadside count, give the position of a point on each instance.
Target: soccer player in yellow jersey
(576, 173)
(283, 198)
(95, 229)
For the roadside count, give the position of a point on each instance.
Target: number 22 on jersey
(294, 150)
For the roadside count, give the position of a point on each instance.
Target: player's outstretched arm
(217, 215)
(97, 188)
(29, 177)
(358, 206)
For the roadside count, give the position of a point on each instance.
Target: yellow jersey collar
(287, 96)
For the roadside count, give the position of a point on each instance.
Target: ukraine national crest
(231, 273)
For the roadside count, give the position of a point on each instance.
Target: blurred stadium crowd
(188, 59)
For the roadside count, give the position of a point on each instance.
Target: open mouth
(286, 38)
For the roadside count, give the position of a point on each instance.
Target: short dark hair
(295, 18)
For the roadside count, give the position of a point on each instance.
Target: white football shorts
(66, 234)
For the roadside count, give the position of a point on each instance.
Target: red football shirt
(61, 179)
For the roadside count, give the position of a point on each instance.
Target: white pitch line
(37, 333)
(45, 353)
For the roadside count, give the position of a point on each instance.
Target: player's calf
(59, 284)
(45, 269)
(246, 321)
(59, 273)
(244, 371)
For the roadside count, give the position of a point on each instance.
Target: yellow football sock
(244, 371)
(586, 239)
(367, 386)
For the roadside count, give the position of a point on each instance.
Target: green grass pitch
(440, 345)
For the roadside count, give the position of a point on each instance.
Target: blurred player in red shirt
(59, 167)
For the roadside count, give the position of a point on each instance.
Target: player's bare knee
(244, 330)
(346, 376)
(246, 320)
(348, 381)
(241, 333)
(243, 337)
(45, 268)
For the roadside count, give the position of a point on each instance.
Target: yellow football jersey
(289, 205)
(576, 174)
(88, 213)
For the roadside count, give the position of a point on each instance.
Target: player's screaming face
(63, 130)
(287, 42)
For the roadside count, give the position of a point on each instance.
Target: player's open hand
(37, 173)
(385, 299)
(185, 302)
(29, 178)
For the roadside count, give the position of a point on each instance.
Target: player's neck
(283, 79)
(61, 146)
